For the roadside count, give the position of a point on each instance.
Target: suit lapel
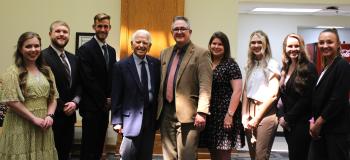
(99, 55)
(165, 62)
(133, 70)
(185, 59)
(327, 71)
(58, 63)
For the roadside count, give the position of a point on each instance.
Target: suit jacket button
(140, 112)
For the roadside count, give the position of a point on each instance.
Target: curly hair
(302, 72)
(23, 72)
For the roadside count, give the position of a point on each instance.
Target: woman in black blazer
(330, 105)
(298, 79)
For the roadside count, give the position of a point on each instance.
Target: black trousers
(298, 140)
(329, 147)
(93, 134)
(63, 130)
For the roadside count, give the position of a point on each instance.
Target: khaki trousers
(179, 140)
(264, 134)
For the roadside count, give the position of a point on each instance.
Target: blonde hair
(267, 55)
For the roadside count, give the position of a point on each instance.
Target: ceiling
(343, 10)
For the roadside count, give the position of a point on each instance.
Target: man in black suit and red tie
(96, 59)
(64, 66)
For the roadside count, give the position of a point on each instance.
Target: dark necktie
(171, 77)
(144, 81)
(105, 55)
(66, 68)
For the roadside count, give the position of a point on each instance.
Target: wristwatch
(51, 115)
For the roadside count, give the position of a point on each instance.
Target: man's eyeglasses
(180, 29)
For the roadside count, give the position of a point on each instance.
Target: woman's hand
(48, 122)
(228, 122)
(38, 122)
(284, 124)
(253, 123)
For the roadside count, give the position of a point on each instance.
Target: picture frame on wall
(81, 38)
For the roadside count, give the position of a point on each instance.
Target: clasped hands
(43, 123)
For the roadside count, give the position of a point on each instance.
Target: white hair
(141, 31)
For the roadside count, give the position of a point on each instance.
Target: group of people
(193, 95)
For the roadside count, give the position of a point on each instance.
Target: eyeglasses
(180, 29)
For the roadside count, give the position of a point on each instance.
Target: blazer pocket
(126, 114)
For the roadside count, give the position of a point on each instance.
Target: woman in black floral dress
(224, 122)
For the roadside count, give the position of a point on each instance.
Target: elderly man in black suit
(134, 99)
(96, 59)
(64, 66)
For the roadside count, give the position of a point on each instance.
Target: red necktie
(171, 77)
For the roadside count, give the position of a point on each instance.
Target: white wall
(276, 27)
(311, 34)
(208, 16)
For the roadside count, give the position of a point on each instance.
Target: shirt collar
(99, 42)
(138, 60)
(58, 52)
(182, 49)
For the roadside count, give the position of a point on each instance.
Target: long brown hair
(23, 73)
(302, 73)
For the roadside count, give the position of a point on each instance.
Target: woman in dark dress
(224, 122)
(330, 102)
(298, 79)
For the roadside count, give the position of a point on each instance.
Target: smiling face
(141, 45)
(257, 46)
(217, 48)
(30, 50)
(181, 32)
(102, 28)
(328, 44)
(292, 48)
(59, 36)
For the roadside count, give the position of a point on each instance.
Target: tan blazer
(193, 83)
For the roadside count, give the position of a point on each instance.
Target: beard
(58, 45)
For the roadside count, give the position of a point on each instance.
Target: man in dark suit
(64, 66)
(134, 99)
(184, 93)
(96, 59)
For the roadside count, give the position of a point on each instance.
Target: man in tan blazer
(184, 93)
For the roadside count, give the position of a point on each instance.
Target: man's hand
(199, 121)
(118, 128)
(69, 108)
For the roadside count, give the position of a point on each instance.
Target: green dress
(21, 139)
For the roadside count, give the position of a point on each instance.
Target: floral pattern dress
(214, 135)
(21, 139)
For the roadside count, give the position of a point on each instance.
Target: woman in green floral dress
(29, 91)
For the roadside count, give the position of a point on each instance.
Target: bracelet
(51, 115)
(230, 114)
